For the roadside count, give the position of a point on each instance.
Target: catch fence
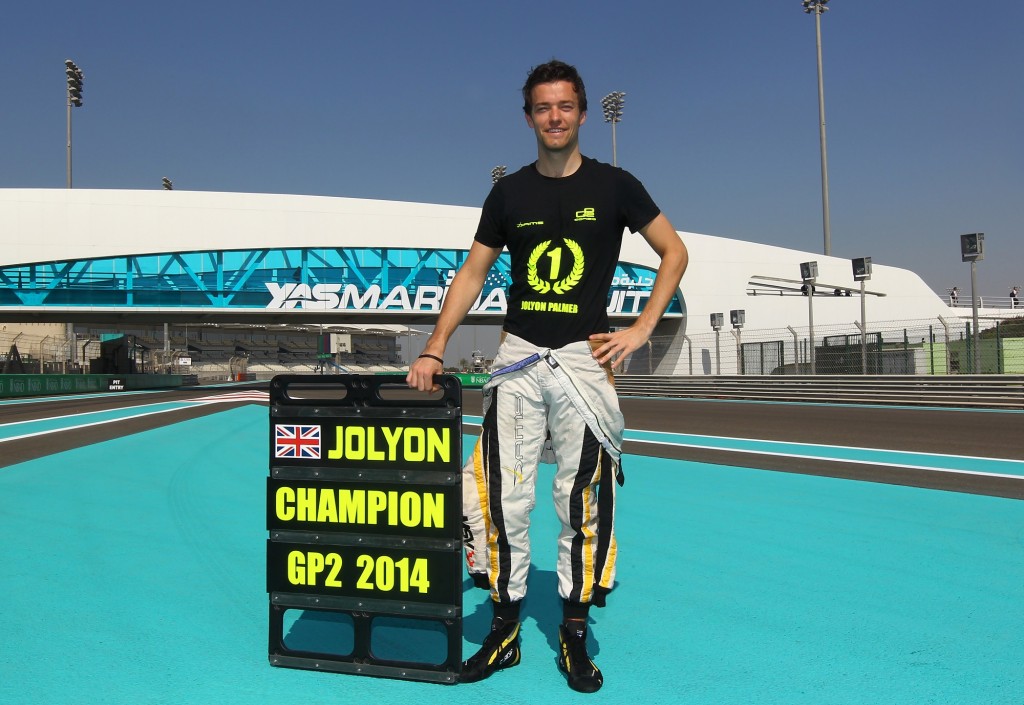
(915, 347)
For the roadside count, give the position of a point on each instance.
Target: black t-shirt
(564, 236)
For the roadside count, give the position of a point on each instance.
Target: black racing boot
(583, 675)
(500, 650)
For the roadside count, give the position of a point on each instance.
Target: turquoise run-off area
(134, 571)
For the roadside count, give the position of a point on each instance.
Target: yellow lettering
(371, 452)
(433, 510)
(355, 442)
(410, 509)
(333, 560)
(562, 308)
(385, 573)
(375, 501)
(439, 445)
(296, 567)
(304, 568)
(328, 509)
(393, 507)
(314, 566)
(411, 444)
(306, 501)
(392, 435)
(352, 506)
(339, 445)
(414, 436)
(285, 503)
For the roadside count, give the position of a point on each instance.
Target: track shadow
(425, 641)
(542, 611)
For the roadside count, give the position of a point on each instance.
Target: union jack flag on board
(296, 441)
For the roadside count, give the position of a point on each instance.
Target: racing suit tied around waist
(560, 363)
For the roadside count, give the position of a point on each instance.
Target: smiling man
(562, 219)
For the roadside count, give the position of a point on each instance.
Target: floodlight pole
(810, 324)
(863, 331)
(861, 273)
(817, 7)
(718, 352)
(612, 105)
(716, 324)
(972, 249)
(974, 317)
(74, 99)
(809, 275)
(69, 143)
(75, 78)
(738, 317)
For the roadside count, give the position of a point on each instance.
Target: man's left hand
(616, 346)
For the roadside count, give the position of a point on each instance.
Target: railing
(976, 391)
(997, 302)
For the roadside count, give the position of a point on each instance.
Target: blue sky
(418, 101)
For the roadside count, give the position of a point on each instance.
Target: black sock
(575, 626)
(506, 612)
(575, 611)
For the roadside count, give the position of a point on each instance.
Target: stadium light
(738, 317)
(861, 273)
(167, 184)
(612, 105)
(497, 173)
(972, 249)
(818, 8)
(717, 321)
(809, 274)
(75, 79)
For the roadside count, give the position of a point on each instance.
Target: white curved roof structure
(70, 255)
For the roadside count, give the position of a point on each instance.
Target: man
(562, 219)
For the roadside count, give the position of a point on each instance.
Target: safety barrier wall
(39, 385)
(472, 380)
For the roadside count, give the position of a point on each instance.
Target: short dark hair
(550, 72)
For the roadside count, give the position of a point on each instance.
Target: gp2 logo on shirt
(540, 275)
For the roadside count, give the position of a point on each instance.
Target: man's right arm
(462, 294)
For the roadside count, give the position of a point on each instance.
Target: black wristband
(433, 357)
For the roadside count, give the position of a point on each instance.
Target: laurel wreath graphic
(576, 274)
(563, 285)
(535, 282)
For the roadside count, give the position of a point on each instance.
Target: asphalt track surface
(772, 553)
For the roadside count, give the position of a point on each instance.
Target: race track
(769, 553)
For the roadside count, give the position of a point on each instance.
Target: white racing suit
(536, 395)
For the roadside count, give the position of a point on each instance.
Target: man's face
(555, 116)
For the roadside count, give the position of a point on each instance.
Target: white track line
(184, 405)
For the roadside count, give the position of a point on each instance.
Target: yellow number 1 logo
(542, 286)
